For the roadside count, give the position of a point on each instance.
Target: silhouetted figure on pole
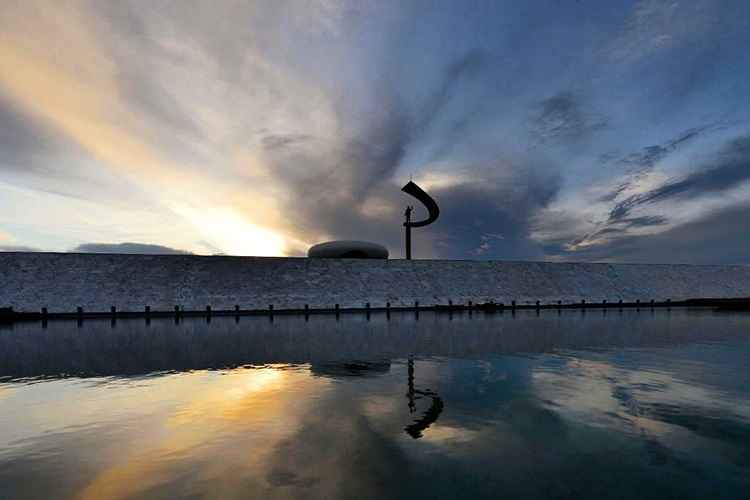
(432, 212)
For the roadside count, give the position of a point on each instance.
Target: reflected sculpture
(430, 416)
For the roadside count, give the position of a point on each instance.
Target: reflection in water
(638, 405)
(350, 368)
(433, 412)
(133, 347)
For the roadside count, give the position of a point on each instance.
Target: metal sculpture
(433, 212)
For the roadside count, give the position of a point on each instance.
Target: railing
(8, 315)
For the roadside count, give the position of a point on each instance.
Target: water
(556, 405)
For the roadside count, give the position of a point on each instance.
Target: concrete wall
(61, 282)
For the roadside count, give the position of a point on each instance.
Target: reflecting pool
(571, 404)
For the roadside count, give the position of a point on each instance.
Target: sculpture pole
(407, 229)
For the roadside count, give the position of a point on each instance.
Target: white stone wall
(62, 281)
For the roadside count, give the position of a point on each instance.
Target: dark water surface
(570, 405)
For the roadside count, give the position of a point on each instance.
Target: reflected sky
(649, 405)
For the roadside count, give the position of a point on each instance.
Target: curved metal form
(433, 212)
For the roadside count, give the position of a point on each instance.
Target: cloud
(6, 245)
(490, 217)
(18, 248)
(21, 142)
(244, 139)
(127, 248)
(716, 238)
(640, 163)
(613, 229)
(728, 169)
(655, 26)
(343, 180)
(562, 117)
(628, 192)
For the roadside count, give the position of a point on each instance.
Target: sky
(555, 130)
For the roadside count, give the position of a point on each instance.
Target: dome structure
(347, 250)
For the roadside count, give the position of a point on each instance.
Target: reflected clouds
(284, 410)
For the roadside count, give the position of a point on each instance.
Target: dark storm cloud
(127, 248)
(718, 238)
(727, 170)
(490, 218)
